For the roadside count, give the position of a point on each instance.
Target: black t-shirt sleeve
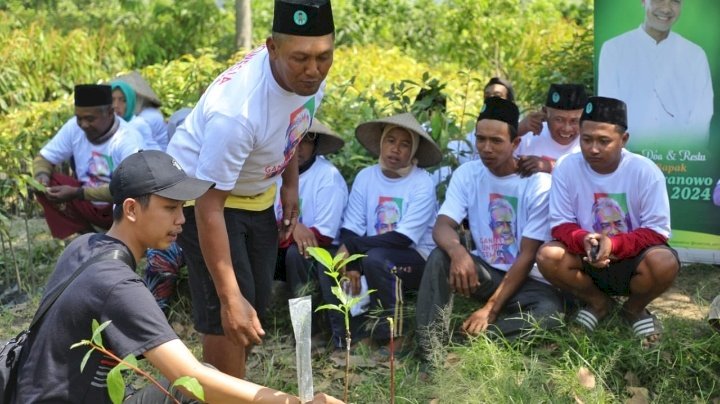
(138, 324)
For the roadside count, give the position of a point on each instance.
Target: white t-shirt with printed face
(501, 211)
(631, 197)
(379, 204)
(245, 128)
(94, 164)
(323, 196)
(543, 145)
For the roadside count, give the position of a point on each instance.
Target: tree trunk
(243, 24)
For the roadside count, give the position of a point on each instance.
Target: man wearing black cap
(496, 87)
(508, 222)
(610, 217)
(560, 131)
(96, 142)
(148, 189)
(242, 135)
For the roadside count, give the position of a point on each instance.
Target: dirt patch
(690, 297)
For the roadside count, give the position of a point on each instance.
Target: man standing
(560, 130)
(95, 141)
(241, 135)
(610, 215)
(502, 208)
(664, 78)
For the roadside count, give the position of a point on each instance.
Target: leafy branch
(115, 380)
(333, 269)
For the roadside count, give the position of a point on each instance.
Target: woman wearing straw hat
(390, 215)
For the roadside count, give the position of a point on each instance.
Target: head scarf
(129, 98)
(404, 171)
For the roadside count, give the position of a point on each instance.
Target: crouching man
(610, 217)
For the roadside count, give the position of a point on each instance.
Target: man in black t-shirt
(149, 189)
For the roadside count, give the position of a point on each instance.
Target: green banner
(668, 81)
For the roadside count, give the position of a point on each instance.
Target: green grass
(684, 367)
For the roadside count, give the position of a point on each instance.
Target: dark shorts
(615, 279)
(253, 240)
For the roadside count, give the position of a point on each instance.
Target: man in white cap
(242, 134)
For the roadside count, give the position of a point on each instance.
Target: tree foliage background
(386, 51)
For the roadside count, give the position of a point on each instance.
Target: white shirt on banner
(666, 86)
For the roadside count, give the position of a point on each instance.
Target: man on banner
(664, 78)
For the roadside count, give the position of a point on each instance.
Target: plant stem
(15, 263)
(392, 361)
(348, 341)
(136, 370)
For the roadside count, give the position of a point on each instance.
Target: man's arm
(239, 319)
(463, 276)
(174, 360)
(289, 196)
(511, 283)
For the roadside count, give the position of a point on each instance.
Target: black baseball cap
(154, 172)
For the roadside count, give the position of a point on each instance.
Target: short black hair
(143, 200)
(618, 128)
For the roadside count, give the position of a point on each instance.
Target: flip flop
(586, 319)
(645, 326)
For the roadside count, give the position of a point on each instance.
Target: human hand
(61, 193)
(597, 250)
(532, 122)
(529, 165)
(353, 278)
(304, 238)
(463, 277)
(322, 398)
(478, 321)
(43, 179)
(240, 322)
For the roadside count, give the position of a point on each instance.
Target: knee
(375, 263)
(438, 263)
(549, 258)
(660, 265)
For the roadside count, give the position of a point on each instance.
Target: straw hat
(329, 141)
(714, 315)
(141, 87)
(368, 134)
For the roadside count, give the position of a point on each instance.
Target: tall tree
(243, 24)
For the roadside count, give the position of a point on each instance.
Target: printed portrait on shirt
(387, 214)
(609, 214)
(300, 121)
(502, 220)
(99, 169)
